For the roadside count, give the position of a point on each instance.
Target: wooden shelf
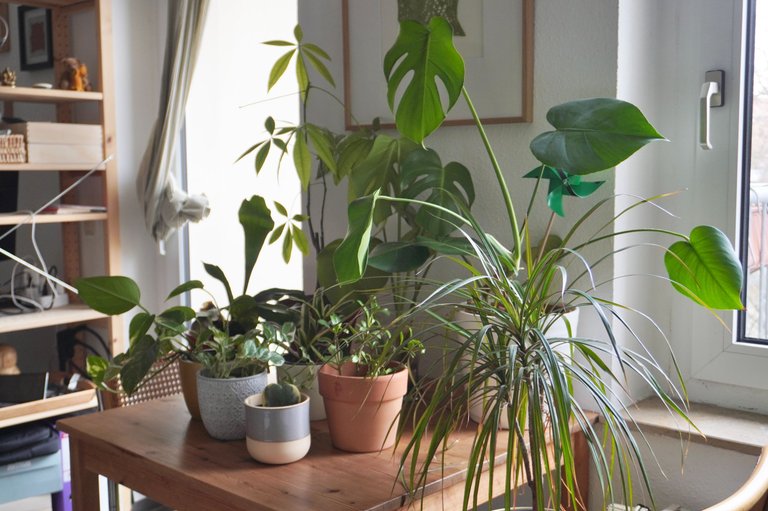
(34, 95)
(50, 4)
(54, 218)
(59, 316)
(48, 167)
(45, 408)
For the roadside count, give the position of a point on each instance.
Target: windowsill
(729, 429)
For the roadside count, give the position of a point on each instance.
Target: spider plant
(518, 292)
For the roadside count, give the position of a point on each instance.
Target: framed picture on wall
(5, 28)
(35, 38)
(495, 38)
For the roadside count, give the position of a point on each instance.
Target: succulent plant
(281, 394)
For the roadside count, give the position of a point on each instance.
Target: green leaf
(371, 282)
(302, 78)
(109, 295)
(261, 156)
(298, 33)
(178, 314)
(353, 149)
(186, 286)
(281, 209)
(706, 269)
(427, 54)
(250, 150)
(592, 135)
(322, 141)
(320, 67)
(280, 143)
(279, 68)
(372, 173)
(217, 273)
(303, 161)
(351, 258)
(423, 174)
(140, 325)
(256, 219)
(287, 245)
(245, 312)
(279, 43)
(313, 48)
(269, 125)
(96, 367)
(276, 234)
(398, 256)
(143, 354)
(301, 241)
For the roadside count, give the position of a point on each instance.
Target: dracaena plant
(227, 338)
(520, 371)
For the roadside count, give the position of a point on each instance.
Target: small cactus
(281, 394)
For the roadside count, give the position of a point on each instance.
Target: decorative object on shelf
(42, 85)
(5, 30)
(277, 424)
(8, 78)
(8, 360)
(13, 149)
(35, 38)
(74, 75)
(499, 63)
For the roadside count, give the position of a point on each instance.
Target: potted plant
(365, 379)
(234, 367)
(509, 289)
(277, 424)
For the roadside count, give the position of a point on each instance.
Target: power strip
(36, 288)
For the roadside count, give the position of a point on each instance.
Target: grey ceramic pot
(277, 435)
(221, 403)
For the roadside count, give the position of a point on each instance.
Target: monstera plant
(526, 376)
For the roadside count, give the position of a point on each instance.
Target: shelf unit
(65, 174)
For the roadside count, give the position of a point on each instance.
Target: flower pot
(469, 321)
(305, 377)
(277, 435)
(362, 411)
(188, 375)
(221, 403)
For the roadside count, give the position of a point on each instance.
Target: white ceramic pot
(304, 376)
(470, 321)
(221, 403)
(277, 435)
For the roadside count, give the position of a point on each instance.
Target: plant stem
(546, 236)
(499, 177)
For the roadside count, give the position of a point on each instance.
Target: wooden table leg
(581, 462)
(85, 484)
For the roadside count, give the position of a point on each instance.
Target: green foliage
(592, 135)
(563, 184)
(234, 356)
(281, 394)
(109, 295)
(424, 54)
(257, 223)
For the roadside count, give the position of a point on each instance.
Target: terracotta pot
(362, 412)
(305, 377)
(188, 374)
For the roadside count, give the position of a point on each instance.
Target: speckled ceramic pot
(222, 405)
(279, 434)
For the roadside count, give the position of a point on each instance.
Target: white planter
(305, 377)
(558, 329)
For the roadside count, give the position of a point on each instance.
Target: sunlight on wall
(225, 116)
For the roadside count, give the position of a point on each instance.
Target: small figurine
(8, 359)
(74, 76)
(9, 77)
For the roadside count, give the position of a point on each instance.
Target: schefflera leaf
(593, 135)
(705, 268)
(427, 54)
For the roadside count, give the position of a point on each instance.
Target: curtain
(166, 206)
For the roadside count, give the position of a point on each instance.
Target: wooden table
(156, 449)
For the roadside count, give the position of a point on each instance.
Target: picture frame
(35, 38)
(502, 94)
(6, 28)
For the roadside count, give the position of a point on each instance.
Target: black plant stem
(534, 454)
(313, 235)
(322, 212)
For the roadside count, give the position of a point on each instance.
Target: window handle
(711, 96)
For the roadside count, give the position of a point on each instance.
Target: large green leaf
(218, 274)
(351, 258)
(256, 219)
(142, 355)
(372, 173)
(706, 269)
(592, 135)
(371, 281)
(424, 177)
(109, 295)
(427, 54)
(398, 256)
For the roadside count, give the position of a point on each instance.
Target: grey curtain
(166, 206)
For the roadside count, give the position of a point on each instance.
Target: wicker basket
(12, 149)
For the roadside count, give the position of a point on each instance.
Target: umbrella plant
(517, 291)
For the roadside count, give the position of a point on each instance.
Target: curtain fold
(166, 206)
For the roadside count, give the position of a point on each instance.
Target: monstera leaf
(424, 177)
(424, 53)
(706, 269)
(592, 135)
